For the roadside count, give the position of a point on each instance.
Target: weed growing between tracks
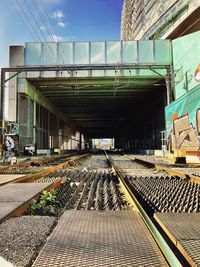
(53, 202)
(46, 205)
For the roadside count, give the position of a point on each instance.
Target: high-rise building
(153, 19)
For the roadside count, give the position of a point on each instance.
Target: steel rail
(24, 164)
(192, 178)
(170, 171)
(175, 241)
(33, 177)
(171, 258)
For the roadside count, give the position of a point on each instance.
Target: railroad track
(169, 169)
(95, 203)
(15, 197)
(34, 165)
(168, 203)
(26, 171)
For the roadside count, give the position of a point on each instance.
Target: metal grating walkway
(20, 192)
(6, 178)
(183, 228)
(12, 196)
(93, 238)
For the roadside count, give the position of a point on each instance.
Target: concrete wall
(42, 122)
(22, 103)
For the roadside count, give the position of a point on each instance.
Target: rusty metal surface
(20, 192)
(184, 229)
(92, 238)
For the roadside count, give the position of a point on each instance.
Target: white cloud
(58, 14)
(56, 38)
(43, 28)
(61, 24)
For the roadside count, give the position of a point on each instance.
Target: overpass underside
(122, 100)
(123, 108)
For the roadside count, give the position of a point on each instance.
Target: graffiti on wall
(11, 145)
(184, 134)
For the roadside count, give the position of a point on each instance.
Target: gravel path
(22, 237)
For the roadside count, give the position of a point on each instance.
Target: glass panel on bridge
(65, 53)
(162, 52)
(49, 54)
(146, 52)
(33, 54)
(97, 52)
(81, 52)
(112, 52)
(129, 52)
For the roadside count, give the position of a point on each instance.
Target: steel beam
(77, 67)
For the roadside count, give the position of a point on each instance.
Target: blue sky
(58, 20)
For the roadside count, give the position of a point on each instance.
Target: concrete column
(34, 122)
(80, 139)
(16, 58)
(49, 145)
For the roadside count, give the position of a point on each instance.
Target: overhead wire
(116, 84)
(42, 17)
(24, 17)
(52, 28)
(45, 24)
(38, 26)
(32, 30)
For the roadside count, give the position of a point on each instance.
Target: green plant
(45, 202)
(48, 197)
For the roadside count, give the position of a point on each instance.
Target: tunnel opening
(131, 114)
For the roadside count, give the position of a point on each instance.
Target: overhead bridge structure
(64, 94)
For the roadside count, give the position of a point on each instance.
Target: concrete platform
(93, 238)
(13, 196)
(5, 178)
(183, 230)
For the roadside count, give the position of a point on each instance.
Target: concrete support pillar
(34, 122)
(16, 58)
(1, 109)
(49, 143)
(80, 144)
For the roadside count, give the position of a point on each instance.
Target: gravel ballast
(21, 238)
(93, 162)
